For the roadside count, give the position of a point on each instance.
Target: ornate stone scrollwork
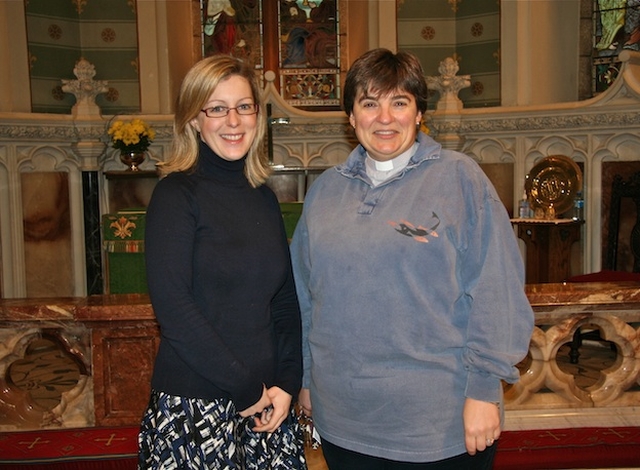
(448, 84)
(541, 372)
(45, 379)
(85, 88)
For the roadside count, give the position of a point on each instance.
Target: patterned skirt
(193, 434)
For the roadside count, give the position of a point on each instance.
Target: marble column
(93, 250)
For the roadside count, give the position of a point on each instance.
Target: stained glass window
(616, 28)
(233, 27)
(298, 39)
(309, 57)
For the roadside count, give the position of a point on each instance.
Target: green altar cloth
(123, 243)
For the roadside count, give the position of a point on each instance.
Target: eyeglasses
(221, 111)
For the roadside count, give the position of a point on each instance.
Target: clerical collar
(387, 165)
(379, 171)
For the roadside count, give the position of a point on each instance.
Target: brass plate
(552, 184)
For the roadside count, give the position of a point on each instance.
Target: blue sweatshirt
(412, 299)
(221, 286)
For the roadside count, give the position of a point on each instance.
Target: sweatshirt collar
(354, 166)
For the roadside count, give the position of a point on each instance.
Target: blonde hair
(196, 89)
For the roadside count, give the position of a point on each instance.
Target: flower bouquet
(132, 138)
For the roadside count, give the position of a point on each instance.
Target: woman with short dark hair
(411, 287)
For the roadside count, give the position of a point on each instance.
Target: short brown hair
(196, 89)
(380, 72)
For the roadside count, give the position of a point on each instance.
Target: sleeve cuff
(245, 400)
(483, 387)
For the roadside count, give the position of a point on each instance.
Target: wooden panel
(627, 215)
(548, 249)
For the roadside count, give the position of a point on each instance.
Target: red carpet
(569, 448)
(115, 449)
(70, 449)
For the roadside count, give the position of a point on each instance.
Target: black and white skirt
(193, 434)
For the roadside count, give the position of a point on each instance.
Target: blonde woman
(221, 286)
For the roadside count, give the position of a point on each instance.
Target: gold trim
(80, 4)
(454, 4)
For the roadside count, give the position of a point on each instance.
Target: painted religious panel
(233, 27)
(309, 58)
(616, 28)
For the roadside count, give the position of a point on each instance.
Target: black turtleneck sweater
(221, 286)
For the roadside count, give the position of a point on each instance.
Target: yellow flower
(131, 136)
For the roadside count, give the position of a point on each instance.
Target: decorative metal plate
(552, 184)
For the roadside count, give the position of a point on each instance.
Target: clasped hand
(270, 411)
(481, 425)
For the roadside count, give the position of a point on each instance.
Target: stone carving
(85, 88)
(45, 376)
(615, 386)
(319, 129)
(19, 131)
(576, 121)
(64, 134)
(448, 84)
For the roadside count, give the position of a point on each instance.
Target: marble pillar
(93, 258)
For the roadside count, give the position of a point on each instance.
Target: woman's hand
(259, 406)
(481, 424)
(272, 417)
(304, 400)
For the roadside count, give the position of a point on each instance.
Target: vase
(132, 159)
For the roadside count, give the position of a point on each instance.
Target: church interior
(533, 90)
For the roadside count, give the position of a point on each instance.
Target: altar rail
(114, 339)
(562, 309)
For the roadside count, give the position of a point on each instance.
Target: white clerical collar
(381, 171)
(387, 165)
